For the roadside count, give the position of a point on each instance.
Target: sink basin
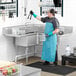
(28, 40)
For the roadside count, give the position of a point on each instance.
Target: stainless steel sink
(24, 35)
(27, 35)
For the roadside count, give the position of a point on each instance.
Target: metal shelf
(47, 6)
(8, 3)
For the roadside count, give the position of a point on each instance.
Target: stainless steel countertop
(26, 70)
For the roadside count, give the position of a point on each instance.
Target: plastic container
(68, 50)
(11, 71)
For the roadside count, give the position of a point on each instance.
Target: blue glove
(51, 33)
(32, 13)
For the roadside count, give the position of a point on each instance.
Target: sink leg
(26, 53)
(34, 50)
(16, 59)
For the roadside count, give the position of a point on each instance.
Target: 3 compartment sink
(28, 35)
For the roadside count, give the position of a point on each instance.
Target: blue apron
(49, 46)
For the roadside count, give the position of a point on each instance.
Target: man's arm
(56, 27)
(38, 18)
(56, 31)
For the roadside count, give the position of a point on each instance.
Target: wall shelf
(48, 4)
(10, 7)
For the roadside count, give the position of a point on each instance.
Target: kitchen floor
(35, 59)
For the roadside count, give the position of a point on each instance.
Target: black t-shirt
(52, 20)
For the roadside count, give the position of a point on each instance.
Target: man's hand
(31, 12)
(47, 35)
(37, 17)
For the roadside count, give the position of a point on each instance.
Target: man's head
(51, 13)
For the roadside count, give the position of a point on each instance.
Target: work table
(30, 71)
